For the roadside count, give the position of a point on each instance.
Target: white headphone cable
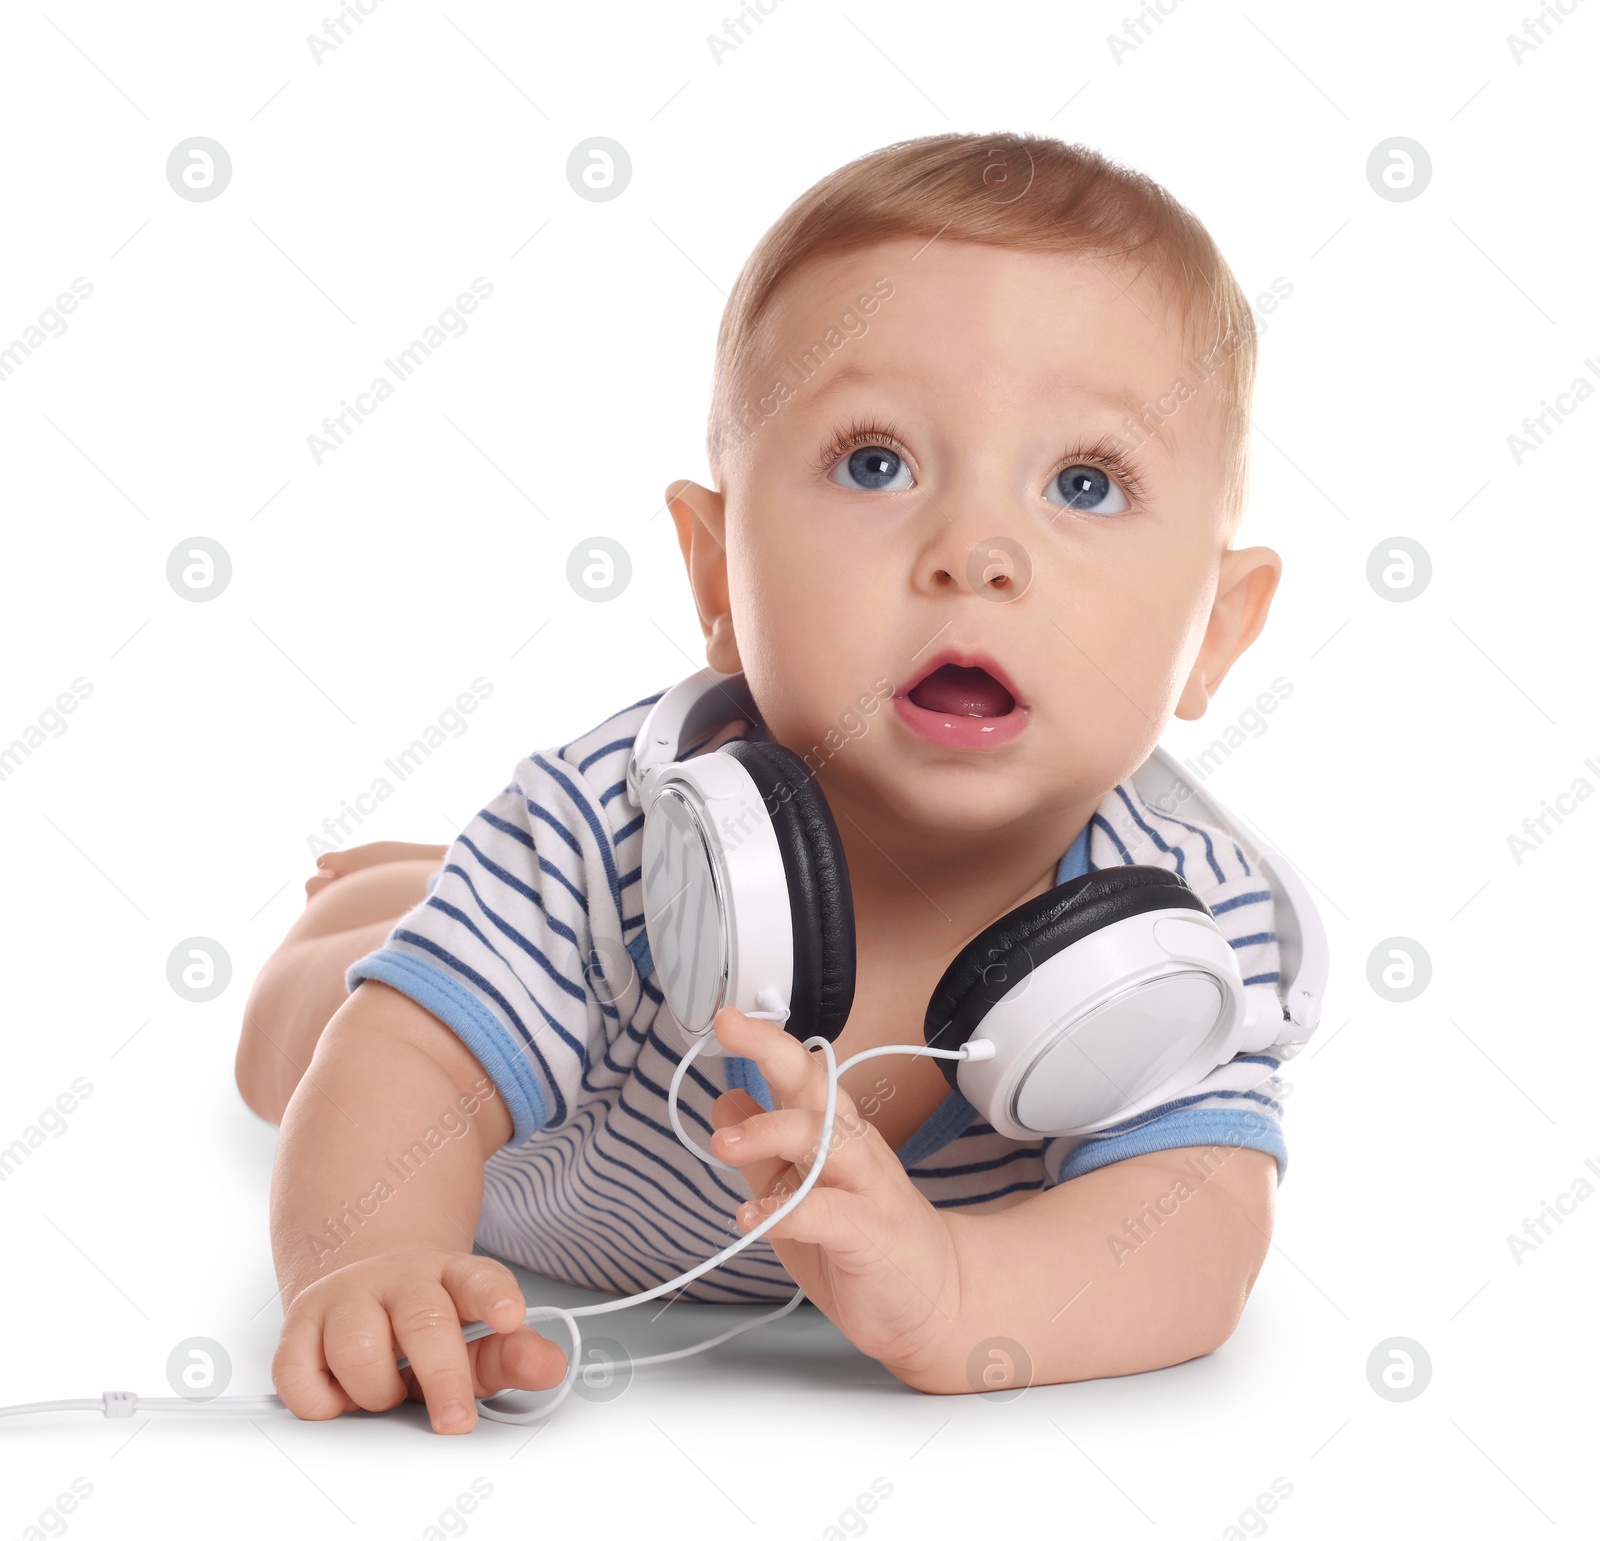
(123, 1404)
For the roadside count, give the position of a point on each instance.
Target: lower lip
(951, 732)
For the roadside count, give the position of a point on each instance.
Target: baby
(978, 439)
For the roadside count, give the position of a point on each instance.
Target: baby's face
(960, 478)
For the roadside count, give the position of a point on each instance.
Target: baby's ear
(689, 518)
(697, 513)
(1195, 698)
(690, 503)
(682, 516)
(1245, 585)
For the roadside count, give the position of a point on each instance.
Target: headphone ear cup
(820, 909)
(1006, 952)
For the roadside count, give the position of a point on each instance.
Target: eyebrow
(1123, 399)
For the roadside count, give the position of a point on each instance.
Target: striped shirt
(593, 1187)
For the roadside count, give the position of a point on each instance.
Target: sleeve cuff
(465, 1016)
(1242, 1128)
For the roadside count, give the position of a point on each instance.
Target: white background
(429, 149)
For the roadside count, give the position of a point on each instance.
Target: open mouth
(964, 701)
(957, 691)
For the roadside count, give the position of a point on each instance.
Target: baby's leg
(302, 984)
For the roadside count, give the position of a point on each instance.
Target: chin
(955, 800)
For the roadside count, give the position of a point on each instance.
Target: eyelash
(1104, 453)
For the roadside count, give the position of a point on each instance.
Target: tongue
(962, 693)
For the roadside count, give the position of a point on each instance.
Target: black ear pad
(819, 887)
(1006, 952)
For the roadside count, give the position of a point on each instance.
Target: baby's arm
(1139, 1264)
(375, 1200)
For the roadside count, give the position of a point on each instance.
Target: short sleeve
(517, 947)
(1239, 1105)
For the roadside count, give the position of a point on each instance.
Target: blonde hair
(1026, 191)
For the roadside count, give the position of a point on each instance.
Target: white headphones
(1102, 998)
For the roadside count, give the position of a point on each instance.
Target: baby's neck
(921, 905)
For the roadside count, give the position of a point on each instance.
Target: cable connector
(979, 1048)
(120, 1404)
(772, 1003)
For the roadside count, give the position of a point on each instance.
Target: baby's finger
(790, 1136)
(487, 1291)
(300, 1372)
(429, 1334)
(484, 1291)
(735, 1107)
(359, 1345)
(797, 1075)
(825, 1217)
(521, 1359)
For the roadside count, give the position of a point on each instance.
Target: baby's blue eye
(872, 468)
(1088, 488)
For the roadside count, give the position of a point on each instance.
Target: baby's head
(978, 395)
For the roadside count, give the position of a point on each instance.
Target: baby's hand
(342, 1335)
(868, 1249)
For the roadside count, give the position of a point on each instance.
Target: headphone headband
(690, 710)
(1302, 940)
